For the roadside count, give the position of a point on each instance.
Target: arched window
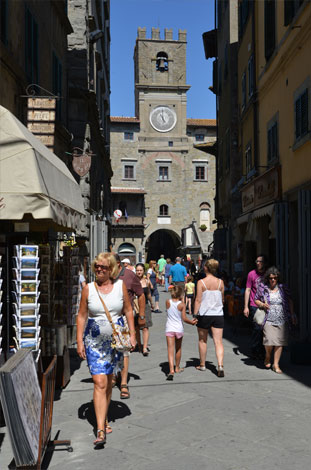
(163, 209)
(162, 62)
(205, 215)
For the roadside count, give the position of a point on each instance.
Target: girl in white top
(174, 330)
(208, 308)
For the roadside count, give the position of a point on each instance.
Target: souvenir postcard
(27, 322)
(1, 292)
(1, 283)
(26, 333)
(28, 250)
(29, 274)
(0, 271)
(29, 298)
(29, 263)
(28, 343)
(28, 286)
(29, 312)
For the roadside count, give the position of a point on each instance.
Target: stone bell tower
(160, 83)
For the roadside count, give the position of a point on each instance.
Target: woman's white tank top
(113, 301)
(211, 303)
(174, 322)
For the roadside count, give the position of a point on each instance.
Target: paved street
(252, 419)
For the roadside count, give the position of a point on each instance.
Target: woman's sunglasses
(101, 267)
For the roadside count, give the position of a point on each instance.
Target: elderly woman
(208, 307)
(275, 299)
(94, 333)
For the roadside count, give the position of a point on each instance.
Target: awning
(266, 210)
(33, 180)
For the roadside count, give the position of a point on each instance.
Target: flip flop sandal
(170, 377)
(180, 370)
(101, 438)
(108, 427)
(201, 368)
(124, 392)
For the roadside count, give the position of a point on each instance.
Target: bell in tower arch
(162, 62)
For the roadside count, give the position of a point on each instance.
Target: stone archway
(162, 241)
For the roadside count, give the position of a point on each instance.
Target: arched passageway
(164, 242)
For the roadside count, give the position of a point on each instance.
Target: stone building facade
(89, 113)
(161, 182)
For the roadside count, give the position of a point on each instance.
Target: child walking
(189, 290)
(174, 331)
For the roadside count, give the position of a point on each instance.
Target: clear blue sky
(196, 16)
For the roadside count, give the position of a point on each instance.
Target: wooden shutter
(304, 112)
(269, 28)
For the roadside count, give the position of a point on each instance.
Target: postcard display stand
(25, 296)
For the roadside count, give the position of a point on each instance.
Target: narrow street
(245, 421)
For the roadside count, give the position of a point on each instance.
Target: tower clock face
(163, 119)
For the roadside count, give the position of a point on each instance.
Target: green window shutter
(269, 28)
(298, 118)
(304, 112)
(289, 11)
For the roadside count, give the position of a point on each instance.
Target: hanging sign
(117, 213)
(81, 162)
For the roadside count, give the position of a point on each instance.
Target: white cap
(125, 260)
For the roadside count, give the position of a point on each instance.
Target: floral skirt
(101, 357)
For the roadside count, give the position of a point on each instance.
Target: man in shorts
(161, 263)
(134, 289)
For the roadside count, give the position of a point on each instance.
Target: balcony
(130, 221)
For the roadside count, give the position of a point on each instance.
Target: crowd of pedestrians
(121, 288)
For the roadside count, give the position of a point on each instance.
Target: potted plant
(203, 227)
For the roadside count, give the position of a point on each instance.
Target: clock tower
(160, 86)
(162, 179)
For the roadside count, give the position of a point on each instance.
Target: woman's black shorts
(206, 322)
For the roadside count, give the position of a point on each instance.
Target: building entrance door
(162, 242)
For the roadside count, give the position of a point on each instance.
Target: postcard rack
(47, 401)
(25, 295)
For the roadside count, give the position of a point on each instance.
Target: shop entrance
(164, 242)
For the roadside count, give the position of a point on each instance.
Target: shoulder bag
(120, 334)
(260, 315)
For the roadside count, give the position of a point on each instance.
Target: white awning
(266, 210)
(33, 180)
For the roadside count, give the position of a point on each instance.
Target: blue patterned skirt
(101, 357)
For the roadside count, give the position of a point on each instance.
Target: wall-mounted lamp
(96, 35)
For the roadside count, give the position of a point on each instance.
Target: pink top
(253, 279)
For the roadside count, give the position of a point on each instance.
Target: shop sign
(263, 190)
(41, 103)
(47, 140)
(81, 162)
(43, 115)
(41, 128)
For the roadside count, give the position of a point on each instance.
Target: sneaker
(220, 371)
